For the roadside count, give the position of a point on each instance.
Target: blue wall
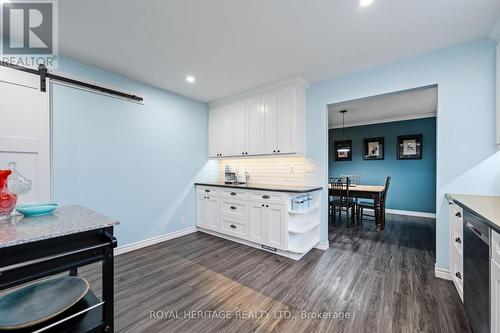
(130, 161)
(417, 175)
(467, 159)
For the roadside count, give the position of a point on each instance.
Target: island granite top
(265, 187)
(64, 221)
(486, 207)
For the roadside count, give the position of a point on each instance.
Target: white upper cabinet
(269, 121)
(268, 106)
(291, 134)
(253, 126)
(220, 132)
(239, 129)
(213, 133)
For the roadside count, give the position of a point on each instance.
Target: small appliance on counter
(242, 177)
(229, 174)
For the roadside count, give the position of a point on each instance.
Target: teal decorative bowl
(36, 209)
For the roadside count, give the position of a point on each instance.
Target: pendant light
(343, 147)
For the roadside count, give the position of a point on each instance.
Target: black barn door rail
(44, 74)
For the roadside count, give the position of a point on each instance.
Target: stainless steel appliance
(230, 174)
(476, 273)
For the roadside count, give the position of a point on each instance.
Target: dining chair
(340, 200)
(371, 204)
(354, 179)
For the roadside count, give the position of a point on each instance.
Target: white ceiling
(234, 45)
(412, 104)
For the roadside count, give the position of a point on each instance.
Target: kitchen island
(281, 219)
(39, 247)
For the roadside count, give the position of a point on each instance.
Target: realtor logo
(29, 33)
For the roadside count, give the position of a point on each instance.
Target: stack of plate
(41, 301)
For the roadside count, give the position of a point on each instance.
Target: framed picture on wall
(410, 147)
(374, 149)
(343, 150)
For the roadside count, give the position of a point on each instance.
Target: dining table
(373, 192)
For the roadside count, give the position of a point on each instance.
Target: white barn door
(25, 130)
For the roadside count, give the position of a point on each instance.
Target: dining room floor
(383, 282)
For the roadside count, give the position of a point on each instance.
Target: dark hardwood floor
(385, 281)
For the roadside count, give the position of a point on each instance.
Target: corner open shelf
(303, 212)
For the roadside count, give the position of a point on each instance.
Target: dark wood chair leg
(353, 215)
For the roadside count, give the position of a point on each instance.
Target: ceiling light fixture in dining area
(343, 147)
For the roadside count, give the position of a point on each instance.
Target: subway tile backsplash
(269, 170)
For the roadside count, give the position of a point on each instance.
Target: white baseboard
(411, 213)
(323, 246)
(442, 273)
(152, 241)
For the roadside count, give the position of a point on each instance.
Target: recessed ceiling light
(190, 79)
(365, 3)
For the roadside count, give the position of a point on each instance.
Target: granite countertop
(265, 187)
(486, 207)
(64, 221)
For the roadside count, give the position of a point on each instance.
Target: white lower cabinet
(495, 297)
(456, 246)
(275, 231)
(456, 263)
(495, 282)
(207, 212)
(257, 218)
(268, 224)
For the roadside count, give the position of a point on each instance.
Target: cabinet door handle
(274, 151)
(232, 207)
(233, 226)
(458, 240)
(458, 275)
(208, 191)
(265, 197)
(458, 214)
(278, 151)
(262, 205)
(233, 193)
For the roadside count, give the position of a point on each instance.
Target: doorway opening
(382, 161)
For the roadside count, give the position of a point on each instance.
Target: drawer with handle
(233, 193)
(207, 190)
(458, 241)
(234, 227)
(457, 270)
(234, 208)
(457, 217)
(271, 197)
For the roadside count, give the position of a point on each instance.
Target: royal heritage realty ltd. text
(167, 315)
